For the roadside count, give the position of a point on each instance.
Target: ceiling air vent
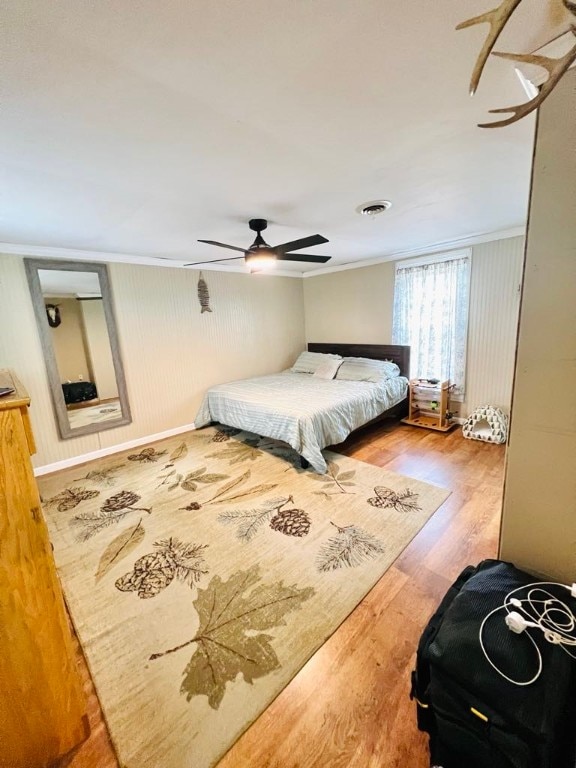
(374, 207)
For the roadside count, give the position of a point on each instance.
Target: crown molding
(446, 245)
(74, 254)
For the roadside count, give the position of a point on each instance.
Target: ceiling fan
(260, 255)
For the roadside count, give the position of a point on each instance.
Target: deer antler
(555, 67)
(497, 18)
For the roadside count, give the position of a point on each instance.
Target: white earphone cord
(558, 631)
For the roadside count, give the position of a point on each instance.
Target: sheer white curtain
(431, 315)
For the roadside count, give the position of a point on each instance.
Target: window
(431, 316)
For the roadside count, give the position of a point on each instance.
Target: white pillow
(308, 362)
(327, 369)
(365, 369)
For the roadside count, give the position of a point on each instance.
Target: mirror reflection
(75, 314)
(78, 333)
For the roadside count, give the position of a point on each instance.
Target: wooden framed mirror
(75, 315)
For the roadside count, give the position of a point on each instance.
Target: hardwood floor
(349, 706)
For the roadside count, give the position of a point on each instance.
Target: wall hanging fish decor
(203, 295)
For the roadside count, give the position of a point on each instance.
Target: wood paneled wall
(495, 284)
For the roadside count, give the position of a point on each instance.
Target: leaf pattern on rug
(406, 501)
(352, 546)
(238, 451)
(112, 511)
(105, 477)
(223, 434)
(119, 548)
(190, 482)
(236, 481)
(334, 481)
(293, 522)
(180, 452)
(147, 455)
(220, 496)
(172, 559)
(255, 490)
(172, 479)
(70, 498)
(230, 639)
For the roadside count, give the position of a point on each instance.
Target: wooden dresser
(42, 704)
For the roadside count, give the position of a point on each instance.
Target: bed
(306, 412)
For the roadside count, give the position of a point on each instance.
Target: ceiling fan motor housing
(258, 225)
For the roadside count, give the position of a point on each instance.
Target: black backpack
(474, 717)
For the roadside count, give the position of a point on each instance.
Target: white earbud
(551, 616)
(517, 623)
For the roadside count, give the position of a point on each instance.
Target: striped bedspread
(304, 411)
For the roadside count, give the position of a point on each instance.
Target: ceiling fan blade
(223, 245)
(214, 261)
(303, 257)
(304, 242)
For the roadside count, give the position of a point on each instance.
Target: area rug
(81, 417)
(203, 571)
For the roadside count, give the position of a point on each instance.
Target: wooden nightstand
(429, 404)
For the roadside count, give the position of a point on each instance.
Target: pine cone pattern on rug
(70, 498)
(154, 571)
(291, 522)
(123, 500)
(146, 455)
(112, 511)
(405, 501)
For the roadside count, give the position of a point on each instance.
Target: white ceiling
(138, 128)
(59, 282)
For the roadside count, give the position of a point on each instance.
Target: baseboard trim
(74, 460)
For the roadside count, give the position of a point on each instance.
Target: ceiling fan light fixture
(262, 259)
(374, 207)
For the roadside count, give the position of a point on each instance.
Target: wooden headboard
(398, 354)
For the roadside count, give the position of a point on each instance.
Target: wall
(171, 352)
(539, 515)
(495, 284)
(98, 348)
(68, 341)
(350, 306)
(356, 305)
